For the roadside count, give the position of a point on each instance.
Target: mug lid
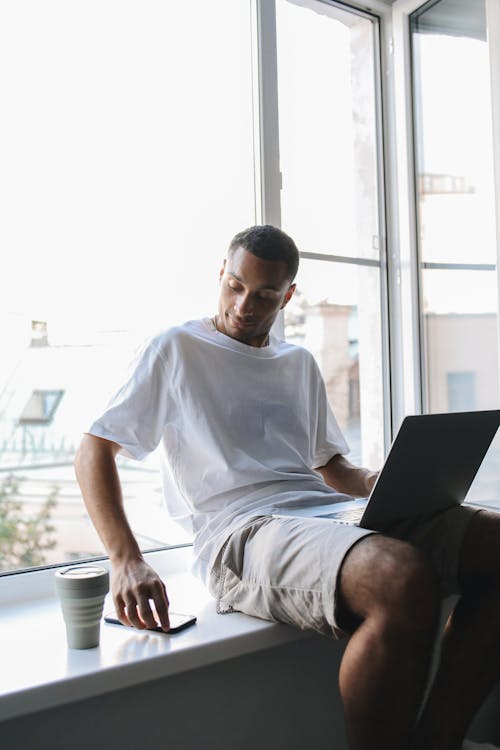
(91, 578)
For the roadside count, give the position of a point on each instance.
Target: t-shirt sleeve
(136, 415)
(328, 439)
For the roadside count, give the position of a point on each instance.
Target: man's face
(252, 292)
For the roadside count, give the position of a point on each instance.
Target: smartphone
(177, 622)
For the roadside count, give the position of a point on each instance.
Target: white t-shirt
(241, 428)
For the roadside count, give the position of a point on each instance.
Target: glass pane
(454, 133)
(335, 313)
(461, 340)
(327, 129)
(126, 152)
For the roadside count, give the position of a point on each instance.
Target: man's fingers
(142, 614)
(146, 613)
(133, 614)
(121, 611)
(161, 606)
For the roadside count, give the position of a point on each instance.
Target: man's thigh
(440, 538)
(287, 570)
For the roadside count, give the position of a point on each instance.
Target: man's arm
(344, 477)
(134, 582)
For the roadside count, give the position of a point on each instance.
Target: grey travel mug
(81, 590)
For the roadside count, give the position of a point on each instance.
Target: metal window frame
(493, 20)
(411, 266)
(493, 31)
(265, 101)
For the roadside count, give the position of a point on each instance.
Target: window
(40, 408)
(455, 193)
(457, 244)
(126, 170)
(127, 153)
(330, 204)
(461, 391)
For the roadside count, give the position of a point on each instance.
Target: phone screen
(178, 621)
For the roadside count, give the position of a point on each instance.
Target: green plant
(24, 539)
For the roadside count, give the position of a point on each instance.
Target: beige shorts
(286, 569)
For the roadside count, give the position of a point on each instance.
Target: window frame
(397, 197)
(411, 265)
(267, 168)
(271, 212)
(26, 425)
(423, 265)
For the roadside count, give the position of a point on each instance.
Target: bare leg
(470, 661)
(387, 587)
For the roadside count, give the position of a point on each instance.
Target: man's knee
(388, 578)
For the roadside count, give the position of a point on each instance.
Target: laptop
(430, 467)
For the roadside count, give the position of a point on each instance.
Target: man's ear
(221, 272)
(288, 295)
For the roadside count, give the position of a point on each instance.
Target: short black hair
(269, 243)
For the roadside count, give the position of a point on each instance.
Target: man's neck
(258, 342)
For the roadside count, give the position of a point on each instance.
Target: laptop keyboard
(353, 515)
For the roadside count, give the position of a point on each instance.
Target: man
(245, 427)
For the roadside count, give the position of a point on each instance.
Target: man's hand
(343, 476)
(134, 585)
(370, 479)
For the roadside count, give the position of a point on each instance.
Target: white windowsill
(38, 671)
